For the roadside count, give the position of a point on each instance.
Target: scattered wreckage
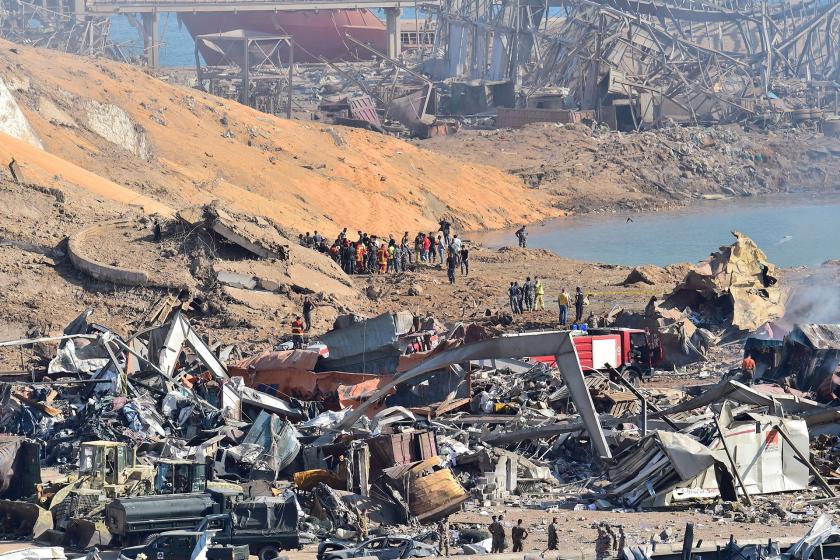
(386, 425)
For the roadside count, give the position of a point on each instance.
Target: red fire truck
(630, 351)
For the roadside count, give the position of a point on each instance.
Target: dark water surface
(792, 230)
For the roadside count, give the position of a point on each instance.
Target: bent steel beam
(556, 343)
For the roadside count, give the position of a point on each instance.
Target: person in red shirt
(748, 369)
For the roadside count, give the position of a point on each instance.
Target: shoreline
(664, 237)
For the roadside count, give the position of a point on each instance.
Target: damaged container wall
(370, 346)
(811, 354)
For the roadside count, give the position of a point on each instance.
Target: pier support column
(150, 39)
(392, 25)
(78, 10)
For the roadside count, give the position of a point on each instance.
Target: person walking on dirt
(451, 264)
(443, 536)
(528, 294)
(522, 236)
(392, 256)
(494, 529)
(307, 313)
(552, 534)
(418, 247)
(513, 296)
(441, 248)
(563, 300)
(382, 256)
(432, 247)
(455, 245)
(347, 259)
(465, 261)
(502, 538)
(405, 256)
(445, 228)
(361, 251)
(297, 333)
(518, 535)
(539, 294)
(580, 301)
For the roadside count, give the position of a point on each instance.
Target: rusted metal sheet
(433, 492)
(436, 496)
(404, 448)
(363, 108)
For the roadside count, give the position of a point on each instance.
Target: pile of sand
(177, 146)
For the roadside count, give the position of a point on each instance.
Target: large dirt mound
(181, 147)
(584, 170)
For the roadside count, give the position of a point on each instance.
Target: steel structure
(250, 69)
(642, 62)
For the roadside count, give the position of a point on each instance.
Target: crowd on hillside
(370, 254)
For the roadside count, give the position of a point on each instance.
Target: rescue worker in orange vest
(382, 258)
(748, 369)
(297, 333)
(361, 251)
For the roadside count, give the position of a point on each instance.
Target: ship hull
(320, 33)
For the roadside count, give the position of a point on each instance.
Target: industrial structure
(641, 63)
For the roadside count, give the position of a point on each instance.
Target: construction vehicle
(632, 352)
(104, 473)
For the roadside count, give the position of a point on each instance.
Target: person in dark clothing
(451, 264)
(307, 314)
(494, 529)
(513, 296)
(518, 535)
(158, 233)
(465, 261)
(580, 300)
(528, 294)
(552, 534)
(445, 228)
(522, 236)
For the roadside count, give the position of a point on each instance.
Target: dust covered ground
(586, 170)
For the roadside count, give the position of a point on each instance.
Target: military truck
(131, 520)
(183, 545)
(266, 525)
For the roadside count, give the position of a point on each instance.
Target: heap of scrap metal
(393, 420)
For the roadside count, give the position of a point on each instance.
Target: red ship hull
(316, 33)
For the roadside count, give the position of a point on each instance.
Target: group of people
(564, 301)
(530, 296)
(518, 534)
(370, 254)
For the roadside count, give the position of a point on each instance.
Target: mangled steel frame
(648, 61)
(554, 343)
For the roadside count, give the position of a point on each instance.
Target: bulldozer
(108, 476)
(107, 470)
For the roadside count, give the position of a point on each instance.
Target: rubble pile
(393, 424)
